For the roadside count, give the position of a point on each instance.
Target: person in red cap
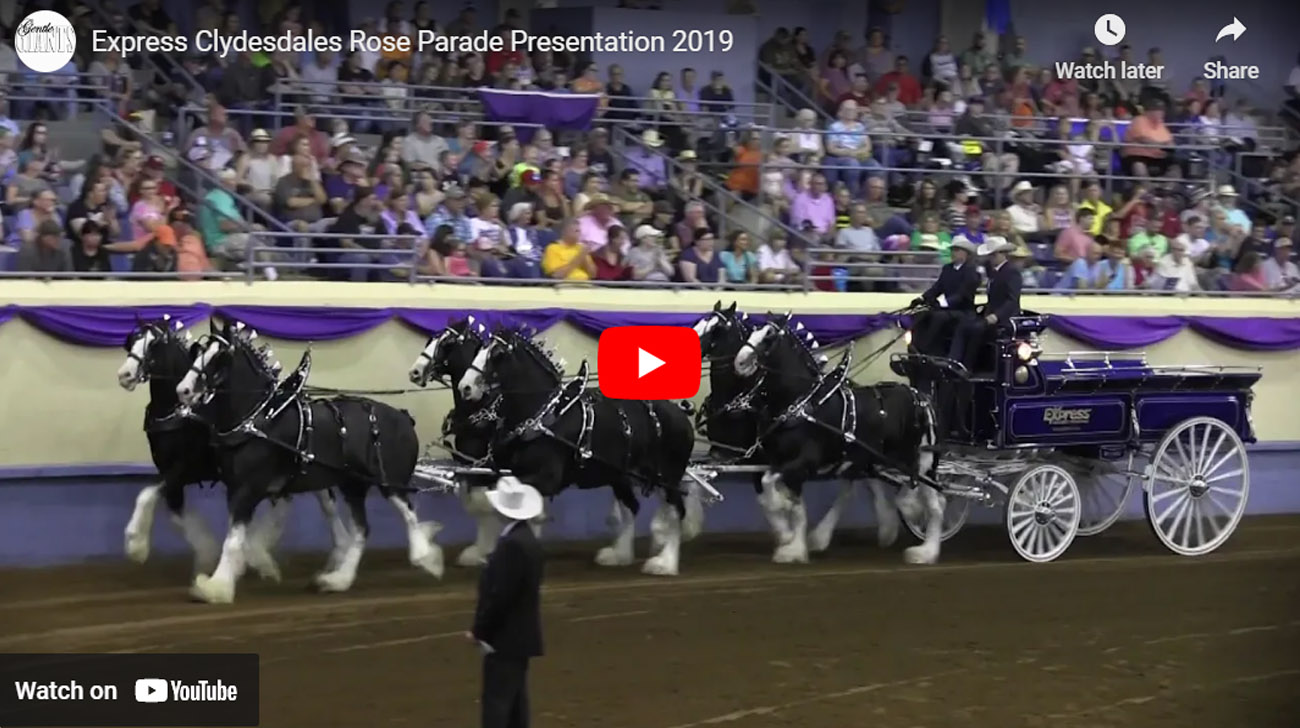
(154, 168)
(528, 190)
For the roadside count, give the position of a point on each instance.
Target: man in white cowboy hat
(508, 616)
(950, 300)
(1227, 199)
(648, 161)
(1280, 272)
(1005, 282)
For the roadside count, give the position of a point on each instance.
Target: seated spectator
(526, 191)
(686, 182)
(1177, 273)
(1150, 237)
(929, 236)
(1074, 242)
(259, 170)
(445, 256)
(1059, 213)
(807, 144)
(1280, 272)
(87, 250)
(717, 98)
(398, 214)
(998, 167)
(611, 263)
(569, 258)
(299, 197)
(810, 203)
(859, 92)
(43, 209)
(452, 212)
(647, 258)
(425, 195)
(26, 184)
(857, 236)
(632, 203)
(622, 100)
(739, 263)
(700, 263)
(223, 142)
(361, 219)
(1193, 238)
(743, 178)
(927, 199)
(848, 150)
(155, 170)
(662, 220)
(45, 250)
(1118, 272)
(1153, 159)
(304, 125)
(693, 219)
(523, 242)
(775, 263)
(596, 220)
(1087, 272)
(1025, 213)
(592, 184)
(954, 212)
(490, 243)
(648, 162)
(158, 255)
(1092, 201)
(1110, 234)
(552, 205)
(93, 205)
(221, 225)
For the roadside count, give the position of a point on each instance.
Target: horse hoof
(790, 553)
(819, 540)
(609, 556)
(659, 567)
(919, 555)
(471, 558)
(137, 547)
(332, 582)
(212, 591)
(430, 562)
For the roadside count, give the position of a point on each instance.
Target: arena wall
(72, 452)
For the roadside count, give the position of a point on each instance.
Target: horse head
(780, 345)
(447, 356)
(511, 355)
(228, 357)
(154, 349)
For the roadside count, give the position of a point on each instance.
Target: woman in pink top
(147, 215)
(1249, 275)
(1074, 242)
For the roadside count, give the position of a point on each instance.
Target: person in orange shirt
(744, 178)
(179, 233)
(393, 30)
(1149, 128)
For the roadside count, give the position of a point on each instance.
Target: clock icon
(1109, 29)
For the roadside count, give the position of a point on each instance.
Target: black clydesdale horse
(553, 434)
(469, 427)
(273, 441)
(180, 444)
(817, 423)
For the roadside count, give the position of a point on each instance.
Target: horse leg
(140, 526)
(339, 532)
(819, 539)
(887, 521)
(667, 525)
(693, 521)
(423, 551)
(620, 553)
(774, 501)
(220, 587)
(928, 551)
(263, 535)
(344, 574)
(193, 529)
(795, 551)
(488, 527)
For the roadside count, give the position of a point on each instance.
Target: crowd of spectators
(890, 161)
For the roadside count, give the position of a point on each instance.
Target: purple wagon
(1072, 434)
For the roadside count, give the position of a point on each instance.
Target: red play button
(649, 362)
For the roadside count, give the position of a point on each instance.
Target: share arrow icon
(1234, 29)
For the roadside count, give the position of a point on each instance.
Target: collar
(509, 527)
(957, 266)
(999, 265)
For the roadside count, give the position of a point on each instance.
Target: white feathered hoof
(471, 558)
(212, 591)
(259, 560)
(609, 556)
(659, 566)
(426, 554)
(920, 555)
(431, 561)
(332, 582)
(791, 553)
(819, 539)
(137, 547)
(205, 561)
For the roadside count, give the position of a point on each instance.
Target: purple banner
(110, 325)
(552, 110)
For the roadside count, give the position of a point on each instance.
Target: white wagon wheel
(1197, 485)
(1043, 511)
(1105, 490)
(955, 511)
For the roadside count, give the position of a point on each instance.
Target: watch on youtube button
(649, 362)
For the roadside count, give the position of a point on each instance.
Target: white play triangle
(646, 362)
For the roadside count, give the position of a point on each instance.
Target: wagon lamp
(1027, 351)
(907, 337)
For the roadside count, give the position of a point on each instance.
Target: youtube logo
(649, 362)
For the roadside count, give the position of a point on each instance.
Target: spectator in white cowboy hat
(647, 257)
(258, 170)
(1023, 210)
(1280, 272)
(1226, 196)
(596, 220)
(648, 162)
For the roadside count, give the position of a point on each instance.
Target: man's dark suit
(508, 619)
(957, 285)
(1004, 302)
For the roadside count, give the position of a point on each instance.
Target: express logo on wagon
(1058, 416)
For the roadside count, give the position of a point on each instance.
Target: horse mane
(523, 336)
(807, 342)
(242, 337)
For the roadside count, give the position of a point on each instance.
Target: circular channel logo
(45, 41)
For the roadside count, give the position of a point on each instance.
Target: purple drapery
(552, 110)
(110, 325)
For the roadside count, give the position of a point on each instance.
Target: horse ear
(717, 305)
(732, 308)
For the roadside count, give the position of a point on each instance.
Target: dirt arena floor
(1116, 634)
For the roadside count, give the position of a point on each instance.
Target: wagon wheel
(1105, 491)
(955, 512)
(1043, 511)
(1197, 485)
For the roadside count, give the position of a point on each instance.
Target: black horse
(468, 428)
(273, 441)
(553, 434)
(727, 417)
(180, 445)
(816, 424)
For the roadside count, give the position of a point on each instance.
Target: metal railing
(782, 91)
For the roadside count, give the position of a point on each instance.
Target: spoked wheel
(1105, 489)
(955, 512)
(1197, 485)
(1043, 511)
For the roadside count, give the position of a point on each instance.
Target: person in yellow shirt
(567, 259)
(1092, 201)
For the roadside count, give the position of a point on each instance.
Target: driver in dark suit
(1003, 303)
(950, 300)
(507, 619)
